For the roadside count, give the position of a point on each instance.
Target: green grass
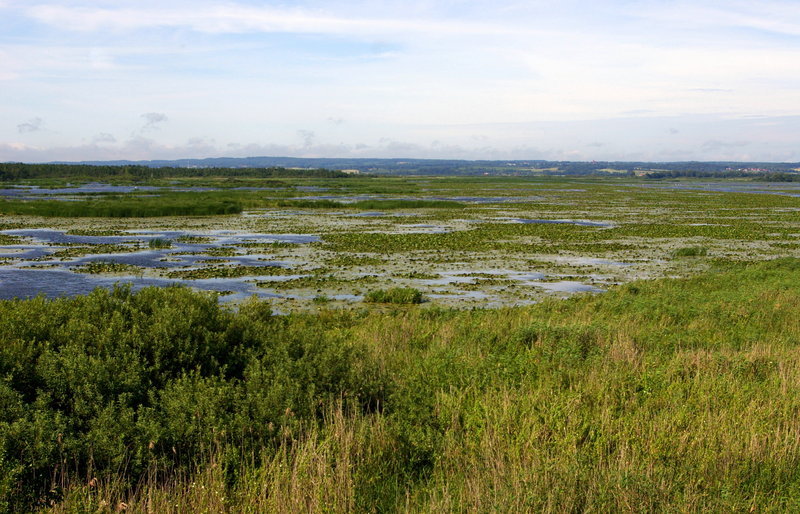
(670, 395)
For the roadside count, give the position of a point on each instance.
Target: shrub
(399, 295)
(121, 380)
(690, 251)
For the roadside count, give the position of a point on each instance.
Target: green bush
(119, 380)
(690, 251)
(399, 295)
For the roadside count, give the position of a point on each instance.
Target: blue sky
(576, 80)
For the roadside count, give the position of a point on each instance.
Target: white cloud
(152, 119)
(32, 125)
(780, 17)
(104, 137)
(413, 72)
(668, 138)
(233, 19)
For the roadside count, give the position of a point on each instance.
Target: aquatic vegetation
(9, 240)
(191, 239)
(318, 281)
(418, 275)
(95, 232)
(221, 251)
(274, 245)
(480, 284)
(376, 204)
(159, 243)
(353, 260)
(618, 220)
(229, 272)
(97, 267)
(80, 251)
(385, 205)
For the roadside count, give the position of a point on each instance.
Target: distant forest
(19, 171)
(274, 167)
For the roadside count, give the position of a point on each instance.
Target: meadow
(486, 343)
(673, 394)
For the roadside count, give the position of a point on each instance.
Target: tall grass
(671, 395)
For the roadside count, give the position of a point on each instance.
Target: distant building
(351, 172)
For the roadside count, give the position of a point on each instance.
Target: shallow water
(30, 272)
(97, 188)
(593, 261)
(217, 237)
(93, 187)
(172, 259)
(566, 286)
(366, 214)
(583, 223)
(53, 283)
(421, 228)
(778, 188)
(462, 199)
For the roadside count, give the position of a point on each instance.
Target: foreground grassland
(671, 395)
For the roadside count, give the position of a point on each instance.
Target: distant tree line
(699, 174)
(18, 171)
(258, 167)
(760, 176)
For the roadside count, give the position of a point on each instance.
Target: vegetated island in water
(661, 393)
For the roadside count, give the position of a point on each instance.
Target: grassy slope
(666, 395)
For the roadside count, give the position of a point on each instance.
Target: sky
(650, 80)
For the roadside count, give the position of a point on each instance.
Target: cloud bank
(435, 78)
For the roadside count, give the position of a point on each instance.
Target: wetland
(461, 242)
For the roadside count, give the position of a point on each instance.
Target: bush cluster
(120, 380)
